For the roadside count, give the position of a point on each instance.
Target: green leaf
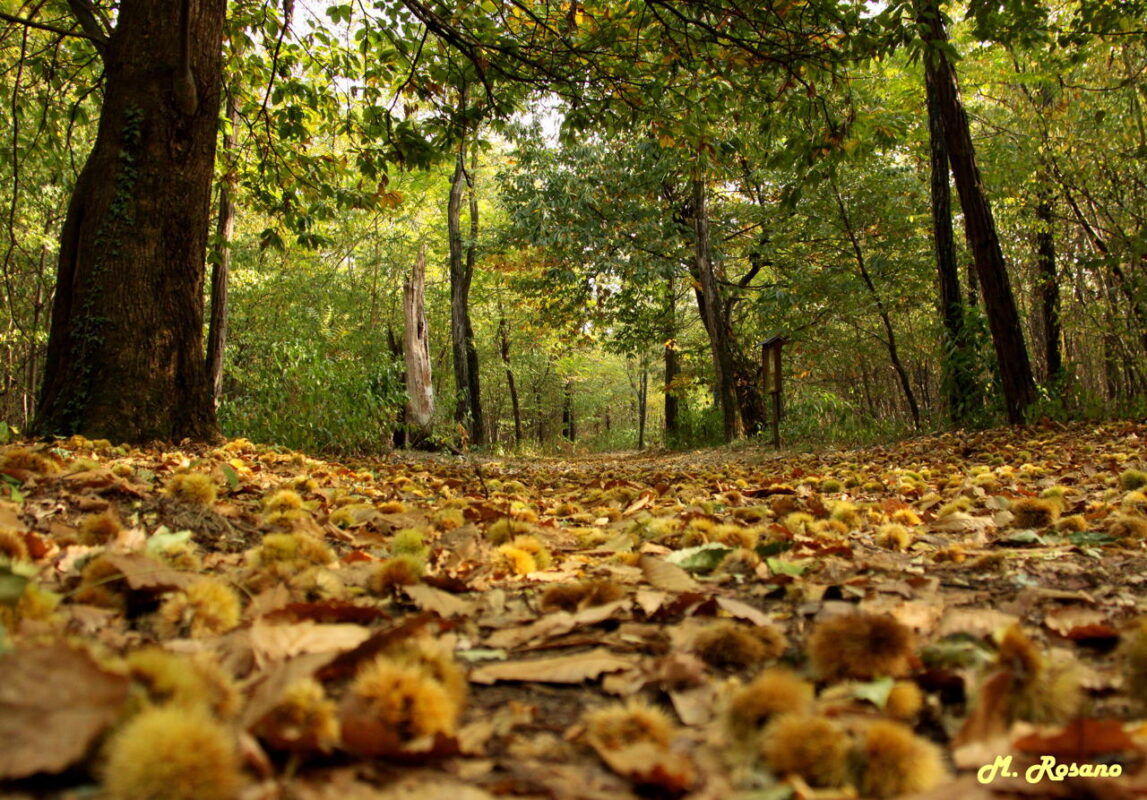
(231, 475)
(12, 583)
(703, 558)
(769, 549)
(780, 567)
(875, 692)
(1024, 538)
(1090, 538)
(164, 539)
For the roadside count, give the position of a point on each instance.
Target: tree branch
(43, 26)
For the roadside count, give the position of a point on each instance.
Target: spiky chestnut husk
(21, 458)
(905, 516)
(391, 704)
(533, 545)
(502, 530)
(893, 537)
(282, 501)
(894, 761)
(1132, 479)
(1076, 523)
(98, 529)
(305, 720)
(207, 607)
(1127, 527)
(13, 545)
(1040, 692)
(618, 726)
(813, 747)
(187, 682)
(292, 547)
(775, 691)
(1034, 512)
(731, 645)
(514, 560)
(861, 646)
(101, 584)
(904, 701)
(172, 753)
(393, 573)
(194, 488)
(572, 596)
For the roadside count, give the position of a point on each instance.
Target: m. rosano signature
(1047, 769)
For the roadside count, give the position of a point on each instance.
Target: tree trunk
(709, 294)
(504, 348)
(1049, 287)
(672, 368)
(221, 260)
(125, 349)
(642, 397)
(416, 353)
(999, 302)
(958, 379)
(890, 335)
(468, 411)
(472, 371)
(569, 431)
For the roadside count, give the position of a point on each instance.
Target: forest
(558, 399)
(613, 207)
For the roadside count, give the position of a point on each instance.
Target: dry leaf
(666, 576)
(54, 702)
(558, 669)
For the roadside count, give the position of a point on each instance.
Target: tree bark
(504, 348)
(125, 349)
(999, 302)
(672, 367)
(642, 397)
(221, 261)
(957, 379)
(468, 411)
(711, 314)
(416, 353)
(890, 335)
(1048, 287)
(569, 429)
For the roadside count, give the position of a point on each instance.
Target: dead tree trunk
(416, 352)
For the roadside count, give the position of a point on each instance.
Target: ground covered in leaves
(954, 616)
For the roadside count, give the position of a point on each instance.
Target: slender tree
(999, 302)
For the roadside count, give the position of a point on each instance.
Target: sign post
(771, 375)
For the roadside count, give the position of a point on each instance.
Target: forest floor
(955, 615)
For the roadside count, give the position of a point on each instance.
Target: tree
(416, 352)
(125, 350)
(1003, 317)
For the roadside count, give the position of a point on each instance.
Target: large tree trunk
(416, 353)
(221, 260)
(125, 349)
(468, 411)
(958, 379)
(710, 307)
(999, 302)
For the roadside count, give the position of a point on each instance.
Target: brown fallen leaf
(557, 669)
(651, 765)
(275, 642)
(147, 574)
(1081, 740)
(670, 577)
(54, 702)
(444, 604)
